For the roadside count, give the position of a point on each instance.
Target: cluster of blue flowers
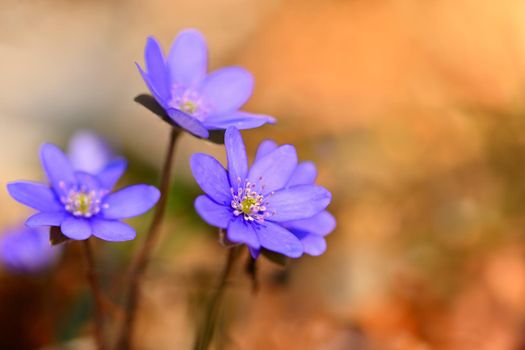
(273, 205)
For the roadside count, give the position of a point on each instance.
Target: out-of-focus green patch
(76, 318)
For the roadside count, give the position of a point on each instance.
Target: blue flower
(192, 99)
(310, 231)
(27, 250)
(255, 205)
(80, 203)
(89, 152)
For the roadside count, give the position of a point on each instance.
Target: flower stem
(251, 270)
(205, 333)
(97, 295)
(141, 259)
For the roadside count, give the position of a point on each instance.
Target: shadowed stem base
(205, 333)
(97, 296)
(141, 260)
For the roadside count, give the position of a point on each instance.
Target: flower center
(189, 101)
(189, 107)
(83, 203)
(249, 203)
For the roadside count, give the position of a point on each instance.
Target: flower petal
(187, 122)
(112, 172)
(57, 168)
(214, 214)
(162, 98)
(265, 147)
(274, 170)
(240, 231)
(298, 202)
(211, 177)
(241, 120)
(27, 250)
(320, 224)
(46, 219)
(34, 195)
(236, 154)
(156, 67)
(278, 239)
(304, 174)
(87, 181)
(254, 252)
(130, 201)
(188, 58)
(88, 152)
(112, 230)
(76, 228)
(227, 89)
(313, 245)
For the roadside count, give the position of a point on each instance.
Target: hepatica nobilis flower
(90, 153)
(82, 203)
(256, 205)
(27, 250)
(194, 100)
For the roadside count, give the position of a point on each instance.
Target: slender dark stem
(205, 333)
(251, 270)
(97, 295)
(142, 258)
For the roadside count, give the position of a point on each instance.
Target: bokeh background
(413, 111)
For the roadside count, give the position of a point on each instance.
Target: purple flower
(27, 250)
(255, 205)
(311, 231)
(81, 203)
(90, 153)
(193, 100)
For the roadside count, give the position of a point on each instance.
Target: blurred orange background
(412, 110)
